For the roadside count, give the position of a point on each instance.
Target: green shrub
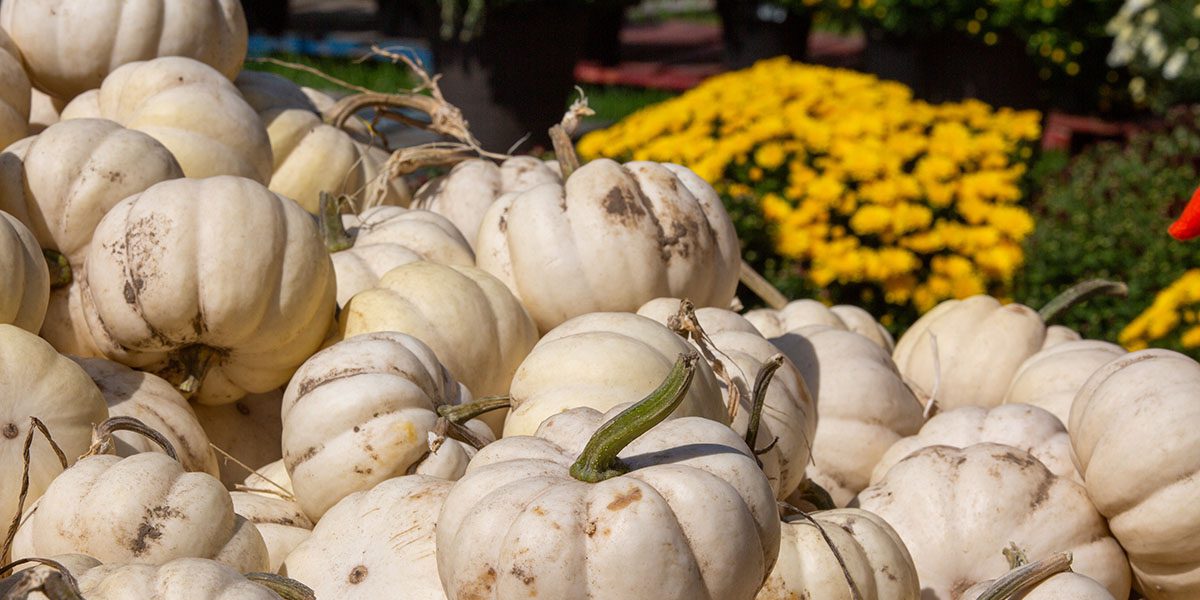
(1106, 215)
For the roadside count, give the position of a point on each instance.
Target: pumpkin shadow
(677, 454)
(802, 353)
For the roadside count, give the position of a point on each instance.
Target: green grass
(374, 75)
(613, 103)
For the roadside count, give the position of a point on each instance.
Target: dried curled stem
(35, 424)
(56, 583)
(687, 324)
(102, 435)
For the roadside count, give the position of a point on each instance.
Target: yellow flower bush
(1174, 311)
(869, 194)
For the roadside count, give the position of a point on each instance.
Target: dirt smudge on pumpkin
(11, 432)
(480, 588)
(150, 530)
(523, 574)
(624, 500)
(1024, 462)
(357, 574)
(623, 206)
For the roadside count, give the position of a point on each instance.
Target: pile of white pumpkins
(239, 359)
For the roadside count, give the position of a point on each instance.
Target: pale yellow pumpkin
(956, 511)
(474, 324)
(1051, 378)
(375, 542)
(191, 109)
(167, 286)
(14, 93)
(24, 277)
(611, 238)
(872, 556)
(70, 46)
(1135, 429)
(465, 194)
(37, 381)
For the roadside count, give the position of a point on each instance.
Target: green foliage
(1106, 215)
(372, 74)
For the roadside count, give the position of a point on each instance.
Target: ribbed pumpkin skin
(14, 93)
(24, 278)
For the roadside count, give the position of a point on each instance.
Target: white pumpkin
(387, 237)
(362, 411)
(519, 524)
(37, 381)
(167, 286)
(1051, 378)
(43, 111)
(805, 312)
(190, 578)
(70, 46)
(477, 328)
(601, 360)
(279, 520)
(871, 555)
(789, 414)
(191, 109)
(156, 403)
(611, 238)
(14, 93)
(270, 479)
(1063, 586)
(465, 194)
(74, 172)
(312, 157)
(66, 326)
(375, 542)
(956, 510)
(1022, 426)
(864, 405)
(979, 346)
(24, 277)
(1135, 429)
(141, 509)
(248, 432)
(1057, 334)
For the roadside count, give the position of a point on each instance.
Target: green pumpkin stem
(599, 461)
(1080, 292)
(60, 268)
(461, 413)
(1022, 579)
(332, 228)
(284, 587)
(761, 382)
(102, 435)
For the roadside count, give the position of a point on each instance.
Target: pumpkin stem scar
(191, 366)
(60, 268)
(35, 424)
(761, 382)
(333, 231)
(286, 588)
(761, 287)
(1023, 578)
(102, 435)
(1080, 292)
(598, 461)
(58, 584)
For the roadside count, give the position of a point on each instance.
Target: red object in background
(1187, 226)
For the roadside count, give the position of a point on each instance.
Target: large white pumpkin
(1051, 378)
(15, 95)
(24, 277)
(611, 238)
(70, 46)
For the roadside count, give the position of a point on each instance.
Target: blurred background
(885, 153)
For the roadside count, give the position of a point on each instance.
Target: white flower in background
(1137, 88)
(1175, 64)
(1150, 17)
(1155, 49)
(1123, 49)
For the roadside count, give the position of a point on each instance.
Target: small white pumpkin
(156, 403)
(465, 194)
(802, 313)
(1135, 429)
(864, 405)
(956, 511)
(191, 109)
(524, 521)
(271, 479)
(1051, 378)
(1022, 426)
(362, 411)
(1063, 586)
(346, 557)
(249, 432)
(1057, 334)
(190, 578)
(601, 360)
(868, 552)
(14, 93)
(43, 111)
(24, 277)
(474, 324)
(70, 46)
(37, 381)
(141, 509)
(280, 521)
(167, 286)
(611, 238)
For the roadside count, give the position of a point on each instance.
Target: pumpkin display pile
(240, 358)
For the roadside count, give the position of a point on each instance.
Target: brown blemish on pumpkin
(539, 511)
(503, 223)
(363, 470)
(11, 432)
(622, 205)
(624, 500)
(1024, 462)
(590, 528)
(524, 575)
(146, 531)
(305, 456)
(357, 574)
(481, 588)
